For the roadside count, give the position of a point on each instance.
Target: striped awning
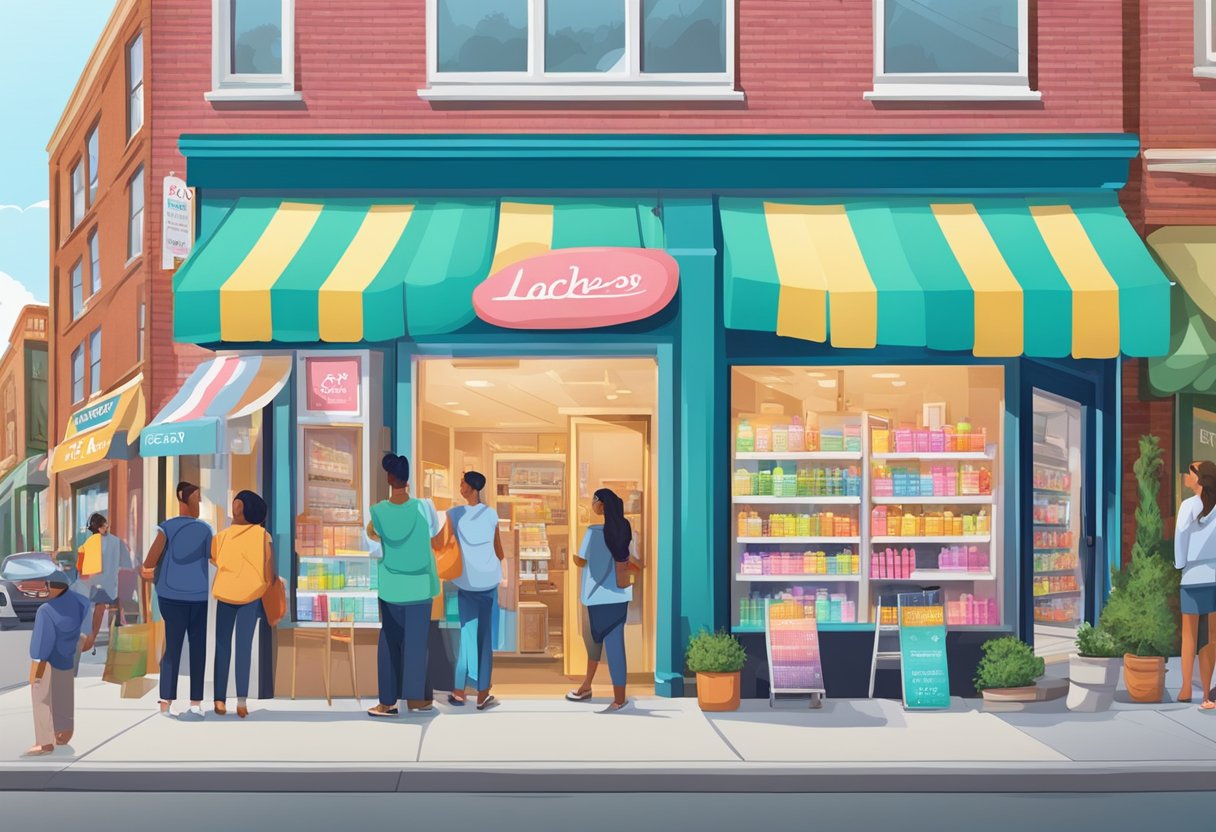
(226, 387)
(998, 277)
(1188, 255)
(349, 270)
(104, 428)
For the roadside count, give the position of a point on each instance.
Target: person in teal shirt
(409, 580)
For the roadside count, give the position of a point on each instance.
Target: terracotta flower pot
(1029, 693)
(718, 691)
(1144, 677)
(1091, 683)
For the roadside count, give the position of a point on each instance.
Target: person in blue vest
(178, 562)
(53, 647)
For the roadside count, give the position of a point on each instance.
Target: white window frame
(535, 84)
(78, 187)
(234, 86)
(136, 178)
(133, 128)
(1205, 50)
(953, 86)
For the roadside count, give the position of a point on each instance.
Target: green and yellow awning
(998, 276)
(1188, 254)
(349, 270)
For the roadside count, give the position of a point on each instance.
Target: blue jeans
(245, 618)
(402, 653)
(183, 620)
(476, 659)
(608, 628)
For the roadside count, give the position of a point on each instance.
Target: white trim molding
(952, 86)
(1199, 161)
(1205, 49)
(626, 82)
(230, 86)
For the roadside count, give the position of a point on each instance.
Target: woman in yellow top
(244, 562)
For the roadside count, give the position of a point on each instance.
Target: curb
(1034, 778)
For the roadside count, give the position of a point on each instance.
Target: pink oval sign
(578, 288)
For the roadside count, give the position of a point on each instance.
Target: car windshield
(26, 567)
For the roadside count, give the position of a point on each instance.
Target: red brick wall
(1156, 417)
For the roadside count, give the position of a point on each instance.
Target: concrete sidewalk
(656, 745)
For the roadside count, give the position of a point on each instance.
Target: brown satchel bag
(274, 602)
(447, 559)
(626, 572)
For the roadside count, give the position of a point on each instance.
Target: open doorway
(546, 433)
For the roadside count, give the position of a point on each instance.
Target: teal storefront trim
(198, 436)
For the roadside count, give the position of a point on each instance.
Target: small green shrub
(1138, 614)
(1008, 663)
(1096, 643)
(718, 652)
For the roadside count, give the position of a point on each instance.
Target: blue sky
(43, 48)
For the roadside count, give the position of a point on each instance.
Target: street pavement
(655, 745)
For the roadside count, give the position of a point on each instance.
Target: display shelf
(339, 593)
(973, 538)
(799, 456)
(532, 489)
(852, 540)
(1052, 548)
(960, 500)
(798, 501)
(1070, 571)
(919, 575)
(332, 558)
(1060, 594)
(337, 625)
(797, 579)
(825, 627)
(940, 456)
(1053, 525)
(1055, 492)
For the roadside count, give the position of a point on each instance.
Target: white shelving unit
(968, 500)
(844, 541)
(798, 456)
(338, 593)
(797, 501)
(799, 579)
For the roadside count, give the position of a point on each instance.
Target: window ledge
(253, 94)
(951, 92)
(1205, 72)
(580, 92)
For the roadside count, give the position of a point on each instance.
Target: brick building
(23, 443)
(947, 173)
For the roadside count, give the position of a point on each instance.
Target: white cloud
(40, 205)
(13, 298)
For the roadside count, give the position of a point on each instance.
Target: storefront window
(88, 498)
(860, 482)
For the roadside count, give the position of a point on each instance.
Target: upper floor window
(94, 263)
(573, 49)
(951, 50)
(95, 360)
(91, 152)
(78, 374)
(253, 50)
(77, 280)
(1205, 38)
(77, 193)
(135, 216)
(142, 329)
(135, 85)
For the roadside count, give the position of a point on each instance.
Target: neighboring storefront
(23, 507)
(861, 394)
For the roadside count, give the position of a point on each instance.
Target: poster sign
(793, 653)
(578, 288)
(177, 231)
(333, 384)
(922, 647)
(1203, 437)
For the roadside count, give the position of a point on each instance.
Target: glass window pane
(926, 36)
(483, 35)
(1212, 30)
(77, 194)
(94, 263)
(135, 85)
(95, 360)
(92, 151)
(77, 290)
(584, 37)
(683, 36)
(135, 227)
(257, 37)
(78, 373)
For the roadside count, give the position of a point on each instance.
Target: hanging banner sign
(177, 222)
(333, 384)
(578, 288)
(922, 648)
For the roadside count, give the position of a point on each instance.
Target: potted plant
(1093, 672)
(716, 658)
(1140, 611)
(1008, 671)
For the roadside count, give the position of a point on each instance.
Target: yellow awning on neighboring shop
(104, 428)
(1188, 254)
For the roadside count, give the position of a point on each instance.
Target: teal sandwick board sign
(922, 647)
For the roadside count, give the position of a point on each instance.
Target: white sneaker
(194, 714)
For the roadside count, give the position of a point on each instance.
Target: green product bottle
(745, 438)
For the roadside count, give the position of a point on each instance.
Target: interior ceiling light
(478, 383)
(461, 412)
(886, 375)
(827, 382)
(815, 374)
(624, 392)
(486, 363)
(451, 404)
(899, 383)
(611, 397)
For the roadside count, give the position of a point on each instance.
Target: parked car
(8, 617)
(20, 578)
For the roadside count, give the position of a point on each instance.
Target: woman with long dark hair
(244, 562)
(604, 546)
(1195, 555)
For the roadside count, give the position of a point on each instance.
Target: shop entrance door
(612, 452)
(1058, 510)
(89, 497)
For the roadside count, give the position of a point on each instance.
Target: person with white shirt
(475, 528)
(1195, 555)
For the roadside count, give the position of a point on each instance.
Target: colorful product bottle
(797, 435)
(745, 438)
(764, 438)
